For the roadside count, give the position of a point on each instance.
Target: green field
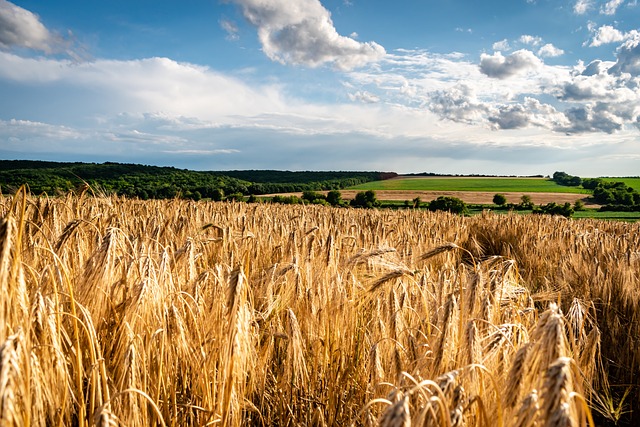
(498, 185)
(631, 182)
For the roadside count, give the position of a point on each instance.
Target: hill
(157, 182)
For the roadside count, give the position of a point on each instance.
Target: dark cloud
(628, 55)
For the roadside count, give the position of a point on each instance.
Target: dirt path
(473, 197)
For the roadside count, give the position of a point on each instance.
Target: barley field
(180, 313)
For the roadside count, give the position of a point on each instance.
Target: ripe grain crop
(182, 313)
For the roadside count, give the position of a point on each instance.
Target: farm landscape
(320, 213)
(122, 311)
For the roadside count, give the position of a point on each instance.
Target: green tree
(450, 204)
(499, 199)
(525, 202)
(334, 197)
(365, 199)
(417, 202)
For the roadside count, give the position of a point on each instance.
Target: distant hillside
(143, 181)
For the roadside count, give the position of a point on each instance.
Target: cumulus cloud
(592, 118)
(606, 34)
(550, 51)
(628, 57)
(302, 33)
(501, 67)
(610, 7)
(21, 28)
(458, 103)
(530, 112)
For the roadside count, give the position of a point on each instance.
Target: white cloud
(610, 7)
(502, 45)
(582, 6)
(302, 33)
(530, 40)
(501, 67)
(550, 51)
(606, 34)
(459, 104)
(21, 28)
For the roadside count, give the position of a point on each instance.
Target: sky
(497, 87)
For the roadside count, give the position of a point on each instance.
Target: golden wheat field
(182, 313)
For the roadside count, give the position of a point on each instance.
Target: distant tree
(311, 196)
(365, 199)
(525, 202)
(499, 199)
(591, 183)
(417, 202)
(334, 198)
(553, 208)
(217, 195)
(450, 204)
(235, 197)
(578, 205)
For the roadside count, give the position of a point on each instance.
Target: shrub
(334, 198)
(499, 199)
(365, 199)
(450, 204)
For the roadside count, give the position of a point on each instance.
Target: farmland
(181, 312)
(450, 184)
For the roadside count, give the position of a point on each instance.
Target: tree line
(155, 182)
(613, 195)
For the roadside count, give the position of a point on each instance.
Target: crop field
(184, 313)
(495, 185)
(631, 182)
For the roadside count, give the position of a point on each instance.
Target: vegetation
(448, 204)
(176, 312)
(499, 199)
(614, 195)
(365, 199)
(189, 313)
(492, 184)
(566, 210)
(562, 178)
(154, 182)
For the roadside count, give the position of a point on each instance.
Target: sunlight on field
(184, 313)
(531, 185)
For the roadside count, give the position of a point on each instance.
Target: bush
(365, 199)
(499, 199)
(451, 204)
(553, 208)
(334, 198)
(525, 203)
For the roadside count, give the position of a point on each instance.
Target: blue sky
(515, 87)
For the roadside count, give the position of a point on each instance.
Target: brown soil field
(472, 197)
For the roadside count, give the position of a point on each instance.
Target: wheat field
(182, 313)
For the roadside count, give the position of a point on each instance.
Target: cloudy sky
(514, 87)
